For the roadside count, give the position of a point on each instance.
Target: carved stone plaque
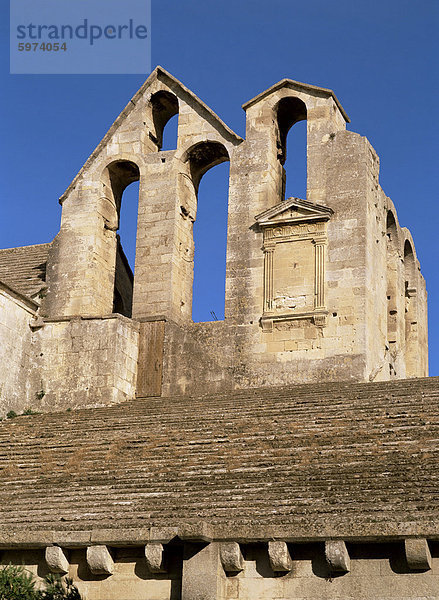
(295, 236)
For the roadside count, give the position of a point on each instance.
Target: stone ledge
(196, 534)
(107, 317)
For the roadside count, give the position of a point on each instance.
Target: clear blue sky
(380, 58)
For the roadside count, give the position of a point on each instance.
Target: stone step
(271, 454)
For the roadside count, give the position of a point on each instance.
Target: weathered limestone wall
(214, 357)
(199, 358)
(396, 309)
(60, 364)
(18, 380)
(337, 177)
(197, 572)
(340, 339)
(419, 353)
(353, 342)
(81, 267)
(256, 185)
(87, 362)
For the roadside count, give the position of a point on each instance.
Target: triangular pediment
(294, 210)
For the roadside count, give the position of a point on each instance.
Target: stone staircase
(358, 459)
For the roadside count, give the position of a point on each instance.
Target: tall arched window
(170, 134)
(392, 287)
(411, 353)
(128, 221)
(292, 149)
(116, 179)
(165, 115)
(210, 189)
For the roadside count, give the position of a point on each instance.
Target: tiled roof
(316, 460)
(24, 268)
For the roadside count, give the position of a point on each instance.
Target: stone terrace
(302, 462)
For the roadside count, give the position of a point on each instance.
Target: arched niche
(164, 106)
(289, 111)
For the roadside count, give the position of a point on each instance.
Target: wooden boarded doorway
(150, 363)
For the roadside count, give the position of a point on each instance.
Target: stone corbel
(56, 560)
(418, 554)
(279, 557)
(155, 558)
(337, 556)
(231, 557)
(99, 560)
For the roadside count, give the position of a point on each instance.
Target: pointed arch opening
(392, 288)
(121, 187)
(411, 354)
(165, 119)
(170, 134)
(128, 221)
(209, 174)
(292, 148)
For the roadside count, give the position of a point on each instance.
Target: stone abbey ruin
(286, 452)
